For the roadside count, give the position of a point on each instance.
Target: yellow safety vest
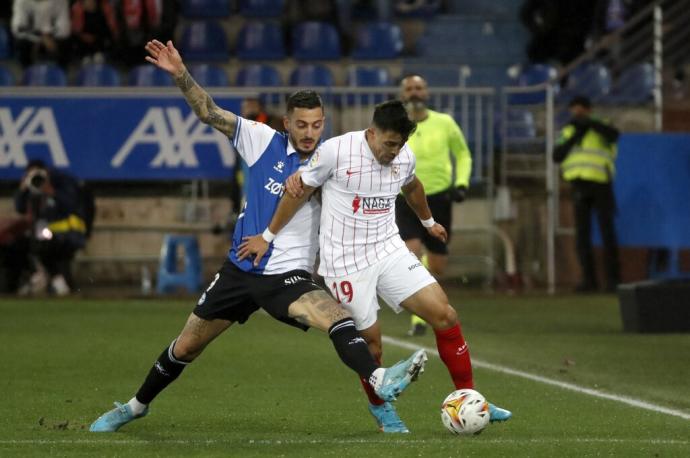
(591, 160)
(71, 223)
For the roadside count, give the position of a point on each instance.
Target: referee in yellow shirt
(437, 137)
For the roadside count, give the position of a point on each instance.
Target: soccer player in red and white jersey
(362, 255)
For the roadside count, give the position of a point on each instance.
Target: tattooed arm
(168, 58)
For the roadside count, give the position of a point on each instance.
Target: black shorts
(235, 294)
(411, 228)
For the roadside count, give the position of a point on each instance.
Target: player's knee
(187, 350)
(445, 318)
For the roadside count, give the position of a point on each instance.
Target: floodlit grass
(265, 389)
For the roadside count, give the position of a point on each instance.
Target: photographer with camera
(55, 205)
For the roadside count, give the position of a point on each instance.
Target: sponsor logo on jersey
(279, 167)
(275, 187)
(351, 172)
(372, 205)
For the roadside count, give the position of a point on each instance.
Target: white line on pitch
(483, 441)
(538, 378)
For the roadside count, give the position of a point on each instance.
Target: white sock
(376, 378)
(136, 407)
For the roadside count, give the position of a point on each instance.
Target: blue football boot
(498, 414)
(387, 418)
(114, 419)
(398, 377)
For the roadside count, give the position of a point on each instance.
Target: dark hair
(36, 164)
(580, 100)
(392, 116)
(304, 99)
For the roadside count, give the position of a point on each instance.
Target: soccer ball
(465, 412)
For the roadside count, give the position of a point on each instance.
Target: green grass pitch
(265, 389)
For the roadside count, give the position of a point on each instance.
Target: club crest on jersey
(314, 159)
(396, 170)
(279, 167)
(372, 205)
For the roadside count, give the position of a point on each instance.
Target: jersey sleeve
(251, 139)
(463, 158)
(320, 166)
(413, 165)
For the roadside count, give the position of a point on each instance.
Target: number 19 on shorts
(343, 293)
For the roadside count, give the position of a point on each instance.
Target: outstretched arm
(168, 58)
(257, 245)
(416, 199)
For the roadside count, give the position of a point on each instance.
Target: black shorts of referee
(411, 228)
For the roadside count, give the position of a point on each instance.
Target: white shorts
(394, 278)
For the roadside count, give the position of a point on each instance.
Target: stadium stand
(378, 40)
(6, 76)
(149, 76)
(261, 8)
(372, 77)
(5, 44)
(635, 85)
(260, 41)
(98, 75)
(206, 9)
(204, 41)
(590, 79)
(209, 75)
(44, 75)
(258, 75)
(532, 75)
(315, 41)
(311, 75)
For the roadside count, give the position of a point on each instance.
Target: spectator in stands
(41, 30)
(437, 138)
(558, 28)
(138, 21)
(55, 205)
(94, 29)
(586, 150)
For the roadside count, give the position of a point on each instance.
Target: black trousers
(590, 196)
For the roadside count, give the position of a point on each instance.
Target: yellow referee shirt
(431, 143)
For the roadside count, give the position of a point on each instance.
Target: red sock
(371, 394)
(455, 354)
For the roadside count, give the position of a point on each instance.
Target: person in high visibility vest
(436, 138)
(586, 150)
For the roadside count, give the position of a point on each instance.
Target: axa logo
(372, 205)
(33, 126)
(175, 136)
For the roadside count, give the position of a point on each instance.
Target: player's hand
(252, 246)
(164, 57)
(439, 232)
(293, 185)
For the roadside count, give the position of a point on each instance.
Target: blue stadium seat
(368, 77)
(533, 75)
(204, 41)
(5, 45)
(209, 75)
(261, 8)
(98, 75)
(260, 41)
(378, 40)
(258, 75)
(315, 41)
(206, 8)
(169, 278)
(436, 75)
(311, 75)
(44, 75)
(148, 75)
(6, 77)
(591, 80)
(634, 86)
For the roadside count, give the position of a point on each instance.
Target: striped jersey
(358, 202)
(270, 159)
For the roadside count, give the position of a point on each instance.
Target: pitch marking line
(538, 378)
(337, 441)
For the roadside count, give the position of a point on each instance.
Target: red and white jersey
(358, 202)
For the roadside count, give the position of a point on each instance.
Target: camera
(36, 179)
